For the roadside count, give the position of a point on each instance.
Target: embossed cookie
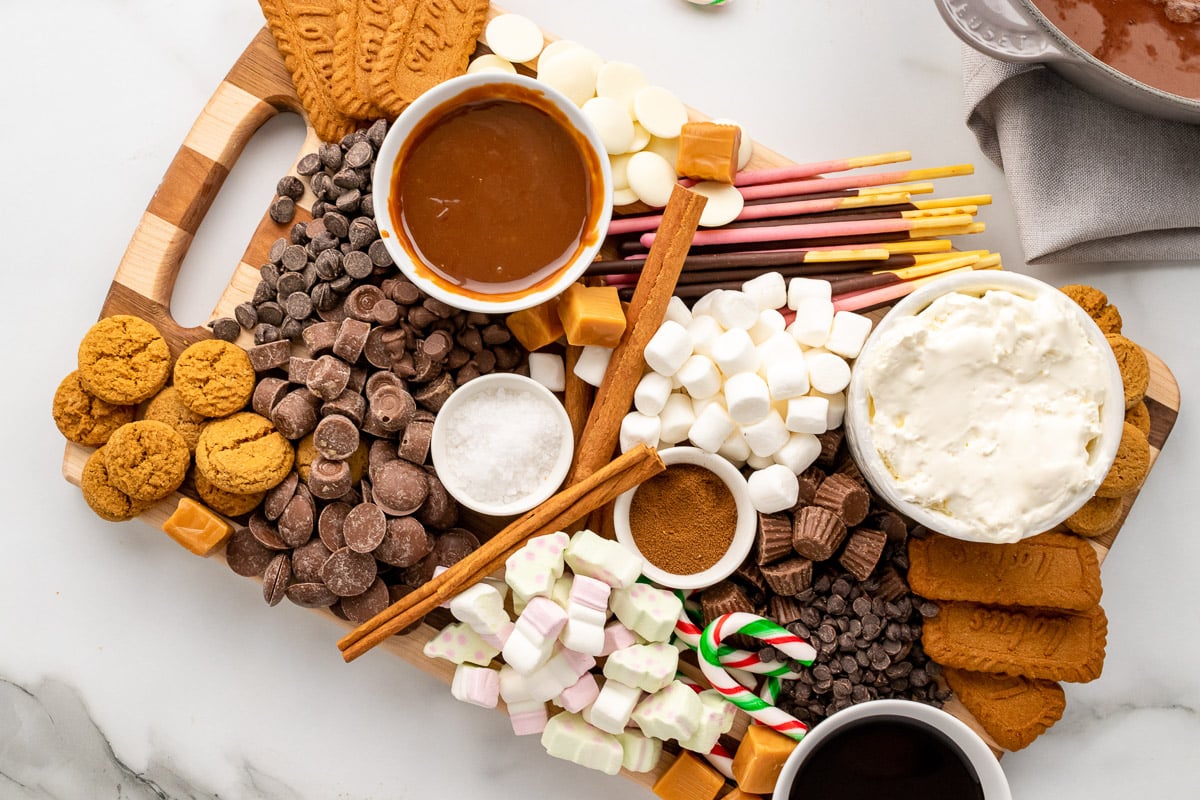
(167, 407)
(102, 497)
(85, 419)
(243, 454)
(1096, 516)
(1130, 466)
(1135, 368)
(214, 378)
(1056, 646)
(123, 360)
(223, 502)
(1013, 709)
(361, 26)
(147, 459)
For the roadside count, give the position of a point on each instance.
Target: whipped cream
(985, 409)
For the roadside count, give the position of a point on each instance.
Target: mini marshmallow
(500, 637)
(580, 695)
(734, 448)
(734, 352)
(747, 398)
(807, 414)
(779, 346)
(649, 612)
(611, 709)
(828, 373)
(700, 377)
(562, 670)
(584, 631)
(561, 592)
(677, 418)
(459, 644)
(569, 737)
(701, 403)
(514, 687)
(616, 637)
(532, 640)
(787, 377)
(813, 320)
(800, 452)
(527, 717)
(768, 291)
(481, 607)
(769, 323)
(704, 331)
(668, 348)
(704, 305)
(735, 310)
(670, 713)
(590, 593)
(641, 752)
(677, 311)
(848, 334)
(649, 667)
(603, 559)
(773, 488)
(637, 428)
(811, 289)
(478, 686)
(592, 364)
(837, 408)
(532, 570)
(766, 436)
(548, 370)
(716, 718)
(759, 462)
(651, 394)
(711, 428)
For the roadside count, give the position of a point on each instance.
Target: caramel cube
(759, 759)
(689, 778)
(591, 315)
(708, 151)
(738, 794)
(536, 327)
(196, 527)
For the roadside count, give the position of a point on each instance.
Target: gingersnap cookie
(1130, 466)
(1096, 516)
(361, 27)
(1095, 303)
(1135, 369)
(102, 497)
(123, 360)
(1051, 645)
(214, 378)
(243, 454)
(167, 407)
(147, 459)
(85, 419)
(228, 503)
(1013, 709)
(1138, 415)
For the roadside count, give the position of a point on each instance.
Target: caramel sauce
(495, 193)
(1134, 37)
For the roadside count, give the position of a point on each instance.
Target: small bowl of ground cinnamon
(692, 524)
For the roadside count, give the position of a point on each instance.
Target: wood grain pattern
(256, 88)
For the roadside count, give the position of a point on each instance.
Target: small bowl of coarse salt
(502, 444)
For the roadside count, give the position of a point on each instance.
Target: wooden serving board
(257, 88)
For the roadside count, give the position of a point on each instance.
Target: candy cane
(712, 663)
(687, 633)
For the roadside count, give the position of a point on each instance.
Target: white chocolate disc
(490, 62)
(659, 111)
(620, 170)
(667, 148)
(612, 123)
(724, 204)
(620, 80)
(572, 72)
(641, 138)
(651, 178)
(555, 49)
(624, 197)
(514, 38)
(746, 149)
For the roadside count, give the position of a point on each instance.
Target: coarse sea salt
(501, 445)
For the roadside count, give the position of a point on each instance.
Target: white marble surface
(130, 669)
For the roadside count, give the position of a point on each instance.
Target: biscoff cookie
(1095, 303)
(147, 459)
(1013, 709)
(1138, 416)
(243, 454)
(1096, 516)
(1130, 466)
(1055, 646)
(214, 378)
(123, 360)
(102, 497)
(361, 27)
(166, 406)
(85, 419)
(1135, 368)
(223, 502)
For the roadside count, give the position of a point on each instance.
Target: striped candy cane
(688, 632)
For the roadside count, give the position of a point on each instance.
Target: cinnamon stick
(647, 308)
(577, 395)
(576, 501)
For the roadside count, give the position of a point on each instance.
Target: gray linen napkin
(1090, 181)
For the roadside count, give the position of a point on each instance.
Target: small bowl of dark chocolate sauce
(893, 749)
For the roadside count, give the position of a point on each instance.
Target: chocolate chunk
(331, 525)
(437, 345)
(380, 379)
(294, 416)
(311, 595)
(788, 577)
(276, 579)
(329, 377)
(267, 393)
(414, 443)
(349, 404)
(400, 487)
(817, 532)
(348, 573)
(390, 408)
(336, 437)
(844, 497)
(364, 527)
(360, 303)
(328, 478)
(774, 538)
(308, 559)
(439, 509)
(435, 394)
(405, 542)
(270, 355)
(351, 337)
(362, 607)
(246, 555)
(319, 338)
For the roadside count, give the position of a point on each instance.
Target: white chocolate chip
(514, 37)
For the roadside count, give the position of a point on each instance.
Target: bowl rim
(515, 381)
(743, 534)
(858, 429)
(398, 134)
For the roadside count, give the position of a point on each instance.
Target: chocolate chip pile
(353, 363)
(832, 572)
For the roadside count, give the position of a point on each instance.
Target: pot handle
(1002, 29)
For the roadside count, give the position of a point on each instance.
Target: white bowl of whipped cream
(986, 406)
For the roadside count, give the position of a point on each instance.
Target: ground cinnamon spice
(683, 519)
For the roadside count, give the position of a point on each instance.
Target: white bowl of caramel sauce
(493, 192)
